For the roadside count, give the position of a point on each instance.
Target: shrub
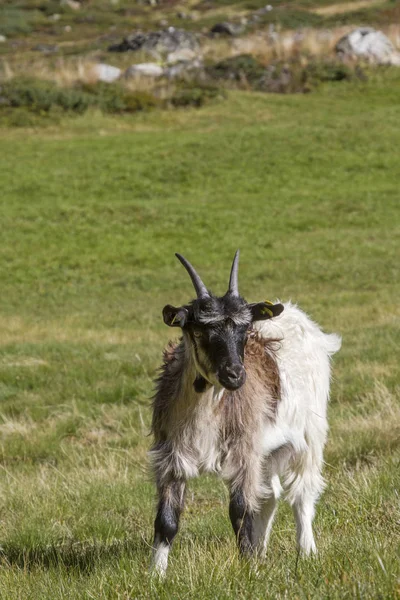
(118, 99)
(237, 68)
(197, 95)
(41, 96)
(282, 78)
(328, 71)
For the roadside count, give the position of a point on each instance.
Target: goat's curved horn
(233, 280)
(199, 286)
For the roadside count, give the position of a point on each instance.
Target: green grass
(92, 213)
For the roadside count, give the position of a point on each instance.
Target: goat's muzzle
(232, 377)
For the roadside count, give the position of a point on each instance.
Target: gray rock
(158, 43)
(226, 28)
(369, 44)
(106, 73)
(183, 69)
(144, 70)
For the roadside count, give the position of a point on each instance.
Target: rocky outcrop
(368, 44)
(158, 43)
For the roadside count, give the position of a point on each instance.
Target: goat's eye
(197, 333)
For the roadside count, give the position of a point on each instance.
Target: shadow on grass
(80, 556)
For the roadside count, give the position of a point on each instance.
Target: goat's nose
(232, 377)
(234, 372)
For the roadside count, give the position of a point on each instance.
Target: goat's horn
(233, 280)
(199, 286)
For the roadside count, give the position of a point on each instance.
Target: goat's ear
(174, 317)
(265, 310)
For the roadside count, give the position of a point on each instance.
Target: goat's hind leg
(303, 492)
(170, 506)
(303, 510)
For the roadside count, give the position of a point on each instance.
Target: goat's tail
(333, 343)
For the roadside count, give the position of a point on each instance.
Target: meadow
(92, 211)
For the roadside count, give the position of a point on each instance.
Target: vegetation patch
(196, 94)
(243, 67)
(280, 77)
(16, 21)
(44, 98)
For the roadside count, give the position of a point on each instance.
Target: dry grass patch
(23, 427)
(367, 430)
(344, 7)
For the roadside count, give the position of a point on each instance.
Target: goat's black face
(216, 328)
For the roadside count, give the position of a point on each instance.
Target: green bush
(328, 71)
(196, 95)
(237, 68)
(282, 78)
(118, 99)
(41, 96)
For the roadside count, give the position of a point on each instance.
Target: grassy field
(91, 214)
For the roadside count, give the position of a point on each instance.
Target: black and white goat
(244, 394)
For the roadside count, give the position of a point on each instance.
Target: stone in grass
(144, 70)
(369, 44)
(2, 39)
(226, 28)
(106, 73)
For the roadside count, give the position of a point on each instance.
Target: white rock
(144, 69)
(367, 43)
(106, 73)
(2, 39)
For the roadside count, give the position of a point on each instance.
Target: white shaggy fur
(303, 361)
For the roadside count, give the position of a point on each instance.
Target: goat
(244, 394)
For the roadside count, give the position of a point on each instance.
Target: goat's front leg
(242, 522)
(170, 506)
